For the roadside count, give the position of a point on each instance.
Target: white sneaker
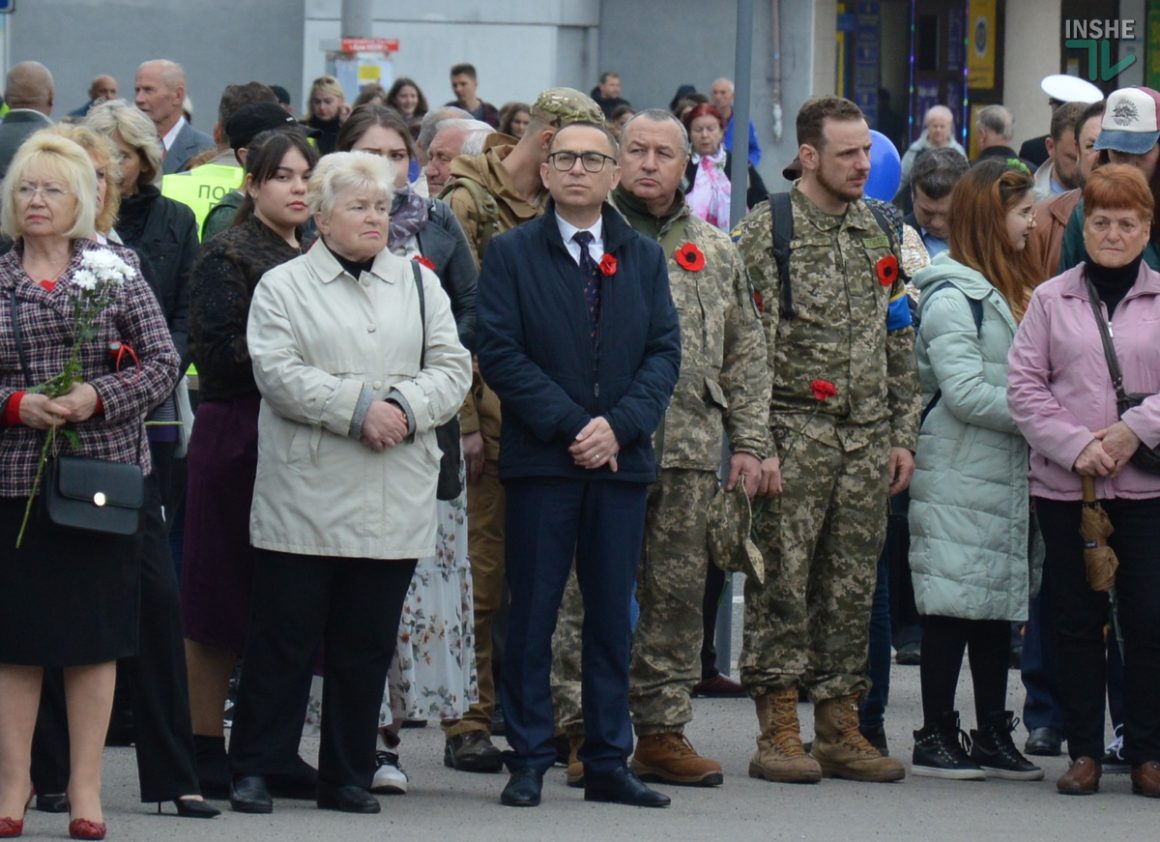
(389, 779)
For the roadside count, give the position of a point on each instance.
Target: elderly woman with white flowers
(353, 383)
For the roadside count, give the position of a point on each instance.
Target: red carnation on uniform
(422, 261)
(758, 301)
(887, 269)
(690, 258)
(608, 265)
(823, 390)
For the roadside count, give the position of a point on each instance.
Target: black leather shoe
(347, 799)
(1043, 742)
(523, 788)
(192, 808)
(248, 794)
(54, 803)
(621, 786)
(300, 781)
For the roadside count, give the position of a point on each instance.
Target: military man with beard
(844, 413)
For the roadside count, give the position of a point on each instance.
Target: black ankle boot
(213, 766)
(940, 751)
(993, 749)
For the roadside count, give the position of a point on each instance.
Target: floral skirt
(432, 675)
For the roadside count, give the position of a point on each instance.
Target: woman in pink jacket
(1062, 398)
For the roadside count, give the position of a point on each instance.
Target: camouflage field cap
(560, 107)
(730, 547)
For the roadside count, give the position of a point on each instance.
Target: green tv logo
(1095, 37)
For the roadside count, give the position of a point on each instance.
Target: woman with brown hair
(407, 98)
(970, 522)
(1068, 405)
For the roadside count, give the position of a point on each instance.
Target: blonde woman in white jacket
(344, 500)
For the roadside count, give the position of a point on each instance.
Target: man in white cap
(1060, 88)
(1129, 134)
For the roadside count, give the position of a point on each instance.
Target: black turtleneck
(354, 268)
(1112, 284)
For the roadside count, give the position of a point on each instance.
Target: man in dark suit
(28, 89)
(579, 337)
(159, 92)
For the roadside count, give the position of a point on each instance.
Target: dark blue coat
(536, 350)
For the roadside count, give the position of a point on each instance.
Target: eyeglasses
(593, 161)
(1102, 225)
(48, 192)
(1027, 216)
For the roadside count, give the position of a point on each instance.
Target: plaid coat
(45, 324)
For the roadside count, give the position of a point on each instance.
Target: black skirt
(67, 598)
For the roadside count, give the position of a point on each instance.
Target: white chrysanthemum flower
(85, 279)
(106, 266)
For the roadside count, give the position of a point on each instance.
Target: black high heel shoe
(187, 808)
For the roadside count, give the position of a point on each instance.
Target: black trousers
(350, 607)
(156, 680)
(1081, 615)
(987, 643)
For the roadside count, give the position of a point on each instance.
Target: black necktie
(591, 273)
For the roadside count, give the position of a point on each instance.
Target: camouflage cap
(560, 107)
(730, 545)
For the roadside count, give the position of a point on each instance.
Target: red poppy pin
(887, 270)
(823, 390)
(422, 261)
(690, 258)
(608, 265)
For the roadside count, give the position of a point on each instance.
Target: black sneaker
(994, 750)
(909, 654)
(940, 751)
(472, 751)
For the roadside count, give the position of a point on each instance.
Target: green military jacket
(724, 383)
(840, 331)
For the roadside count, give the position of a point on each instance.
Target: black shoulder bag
(1145, 458)
(79, 492)
(446, 435)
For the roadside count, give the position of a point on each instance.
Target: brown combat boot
(575, 772)
(780, 756)
(841, 749)
(670, 758)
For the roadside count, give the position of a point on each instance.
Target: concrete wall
(518, 47)
(657, 45)
(1026, 60)
(219, 42)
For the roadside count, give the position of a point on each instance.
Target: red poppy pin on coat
(422, 261)
(608, 265)
(887, 269)
(690, 258)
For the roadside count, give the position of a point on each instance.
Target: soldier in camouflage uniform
(491, 193)
(723, 388)
(837, 458)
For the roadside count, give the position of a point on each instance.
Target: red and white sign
(370, 45)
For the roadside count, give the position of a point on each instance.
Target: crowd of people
(464, 381)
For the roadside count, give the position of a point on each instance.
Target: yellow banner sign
(202, 188)
(982, 42)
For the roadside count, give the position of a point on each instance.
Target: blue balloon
(885, 168)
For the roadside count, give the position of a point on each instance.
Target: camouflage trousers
(670, 587)
(809, 624)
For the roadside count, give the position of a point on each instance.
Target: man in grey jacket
(159, 92)
(28, 90)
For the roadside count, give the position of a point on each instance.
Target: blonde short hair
(341, 171)
(58, 158)
(103, 148)
(117, 118)
(326, 85)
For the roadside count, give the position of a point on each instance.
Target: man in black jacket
(579, 337)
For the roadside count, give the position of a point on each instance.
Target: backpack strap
(781, 223)
(976, 313)
(486, 216)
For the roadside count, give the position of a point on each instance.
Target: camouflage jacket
(724, 382)
(849, 327)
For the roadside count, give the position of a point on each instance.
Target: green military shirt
(724, 381)
(840, 331)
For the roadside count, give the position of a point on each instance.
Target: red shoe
(85, 829)
(10, 828)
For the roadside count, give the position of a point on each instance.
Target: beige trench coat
(322, 343)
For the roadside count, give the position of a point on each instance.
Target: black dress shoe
(248, 794)
(54, 803)
(347, 798)
(621, 786)
(523, 788)
(1043, 742)
(190, 808)
(300, 781)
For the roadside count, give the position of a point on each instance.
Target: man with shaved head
(28, 90)
(102, 88)
(159, 92)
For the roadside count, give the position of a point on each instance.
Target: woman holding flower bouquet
(970, 522)
(70, 596)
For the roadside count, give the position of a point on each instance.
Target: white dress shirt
(595, 248)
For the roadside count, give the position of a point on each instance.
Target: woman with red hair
(707, 187)
(1083, 422)
(970, 520)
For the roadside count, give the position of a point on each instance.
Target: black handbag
(449, 486)
(79, 492)
(1145, 458)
